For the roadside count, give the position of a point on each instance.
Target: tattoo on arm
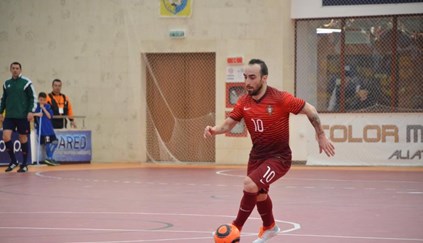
(315, 121)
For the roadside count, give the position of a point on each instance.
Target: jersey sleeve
(292, 103)
(31, 96)
(237, 113)
(3, 99)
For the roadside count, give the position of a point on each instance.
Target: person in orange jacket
(60, 105)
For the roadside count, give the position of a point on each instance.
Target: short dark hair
(42, 95)
(56, 80)
(16, 63)
(263, 66)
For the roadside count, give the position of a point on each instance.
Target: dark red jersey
(267, 121)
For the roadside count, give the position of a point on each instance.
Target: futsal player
(266, 113)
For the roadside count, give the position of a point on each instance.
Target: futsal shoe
(266, 235)
(23, 169)
(11, 167)
(50, 162)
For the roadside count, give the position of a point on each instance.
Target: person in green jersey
(19, 101)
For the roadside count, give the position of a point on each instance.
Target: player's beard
(255, 91)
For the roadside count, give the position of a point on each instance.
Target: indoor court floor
(95, 203)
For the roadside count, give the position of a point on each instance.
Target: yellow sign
(175, 8)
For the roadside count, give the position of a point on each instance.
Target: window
(361, 64)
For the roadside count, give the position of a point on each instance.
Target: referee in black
(19, 102)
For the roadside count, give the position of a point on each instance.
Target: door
(180, 103)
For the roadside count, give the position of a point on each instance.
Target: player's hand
(30, 116)
(325, 145)
(208, 131)
(73, 124)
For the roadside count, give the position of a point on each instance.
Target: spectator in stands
(61, 105)
(367, 92)
(19, 102)
(357, 94)
(45, 131)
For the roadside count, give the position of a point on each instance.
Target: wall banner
(74, 146)
(371, 139)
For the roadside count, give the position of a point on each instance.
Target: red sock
(265, 209)
(248, 202)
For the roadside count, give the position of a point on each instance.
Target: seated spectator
(359, 93)
(366, 94)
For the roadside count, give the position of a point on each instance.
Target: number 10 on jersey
(258, 125)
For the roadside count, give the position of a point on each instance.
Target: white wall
(95, 48)
(301, 9)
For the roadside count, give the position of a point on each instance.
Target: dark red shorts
(265, 172)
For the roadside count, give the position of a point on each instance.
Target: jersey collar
(264, 95)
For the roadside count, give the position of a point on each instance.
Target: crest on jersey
(269, 110)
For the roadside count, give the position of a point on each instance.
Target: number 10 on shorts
(268, 176)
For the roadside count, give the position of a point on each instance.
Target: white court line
(357, 237)
(226, 173)
(131, 241)
(116, 230)
(412, 193)
(99, 229)
(124, 230)
(157, 240)
(295, 226)
(206, 232)
(298, 235)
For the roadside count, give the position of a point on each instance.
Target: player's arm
(38, 112)
(46, 112)
(324, 143)
(32, 100)
(225, 127)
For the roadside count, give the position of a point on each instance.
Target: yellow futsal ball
(226, 233)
